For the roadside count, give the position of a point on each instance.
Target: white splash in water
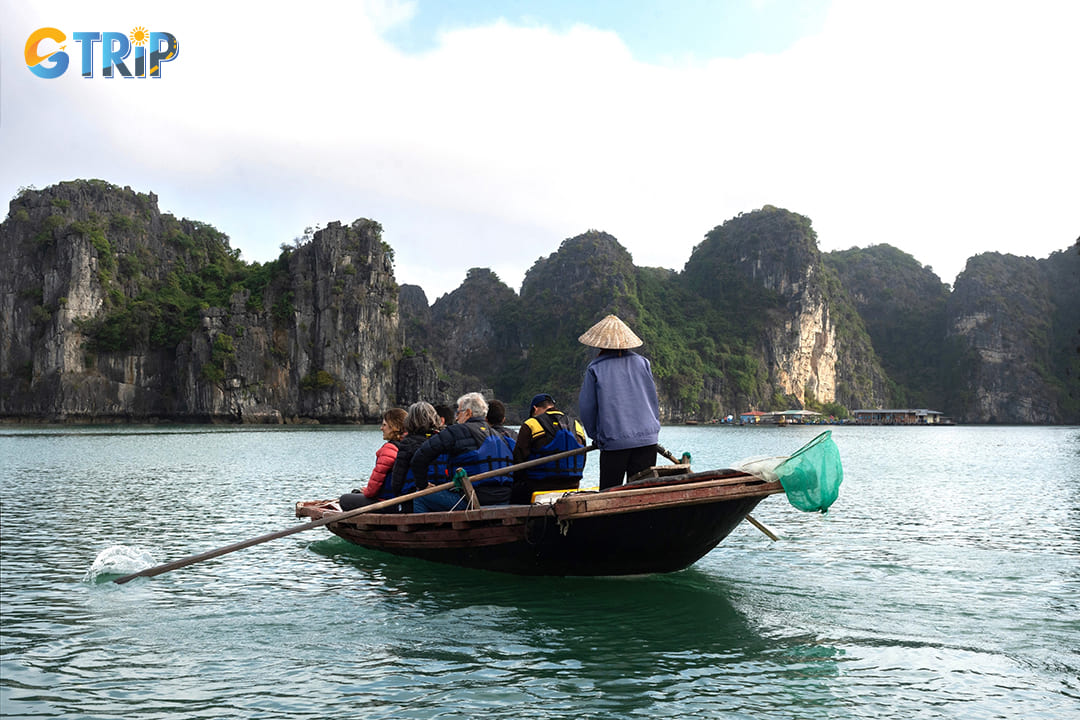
(119, 560)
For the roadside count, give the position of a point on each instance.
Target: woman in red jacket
(393, 429)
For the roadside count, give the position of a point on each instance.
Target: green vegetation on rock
(756, 307)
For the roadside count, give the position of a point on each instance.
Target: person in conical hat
(611, 333)
(618, 404)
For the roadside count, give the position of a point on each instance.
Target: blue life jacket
(438, 473)
(506, 437)
(559, 427)
(492, 454)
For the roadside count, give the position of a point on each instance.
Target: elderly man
(472, 445)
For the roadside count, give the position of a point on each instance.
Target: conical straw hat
(611, 333)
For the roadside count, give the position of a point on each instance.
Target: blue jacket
(558, 432)
(401, 480)
(464, 445)
(618, 404)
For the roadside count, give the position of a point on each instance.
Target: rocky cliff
(1003, 346)
(902, 305)
(1005, 316)
(748, 323)
(764, 269)
(475, 328)
(562, 295)
(110, 310)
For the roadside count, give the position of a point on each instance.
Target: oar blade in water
(118, 560)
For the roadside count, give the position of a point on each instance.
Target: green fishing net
(811, 477)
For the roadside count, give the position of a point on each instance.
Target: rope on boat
(545, 513)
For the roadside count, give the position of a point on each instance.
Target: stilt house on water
(900, 417)
(785, 417)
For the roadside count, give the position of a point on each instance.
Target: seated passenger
(469, 444)
(422, 422)
(446, 415)
(547, 432)
(496, 416)
(393, 430)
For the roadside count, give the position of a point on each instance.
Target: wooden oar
(762, 527)
(192, 559)
(753, 521)
(666, 453)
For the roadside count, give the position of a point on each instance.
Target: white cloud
(942, 128)
(388, 14)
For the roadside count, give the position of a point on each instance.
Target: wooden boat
(660, 523)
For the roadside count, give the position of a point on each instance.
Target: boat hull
(655, 527)
(661, 541)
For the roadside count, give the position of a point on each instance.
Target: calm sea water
(945, 583)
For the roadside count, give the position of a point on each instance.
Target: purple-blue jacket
(618, 404)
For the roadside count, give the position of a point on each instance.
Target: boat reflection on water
(634, 639)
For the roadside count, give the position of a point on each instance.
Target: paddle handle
(532, 463)
(664, 451)
(762, 527)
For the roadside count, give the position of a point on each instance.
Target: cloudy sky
(482, 134)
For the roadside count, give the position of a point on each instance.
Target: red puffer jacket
(384, 463)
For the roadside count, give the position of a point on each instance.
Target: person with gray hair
(475, 403)
(421, 422)
(421, 416)
(470, 444)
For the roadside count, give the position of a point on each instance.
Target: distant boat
(657, 524)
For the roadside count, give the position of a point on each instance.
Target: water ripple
(928, 592)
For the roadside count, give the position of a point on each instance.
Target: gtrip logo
(45, 56)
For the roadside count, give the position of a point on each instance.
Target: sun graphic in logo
(139, 36)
